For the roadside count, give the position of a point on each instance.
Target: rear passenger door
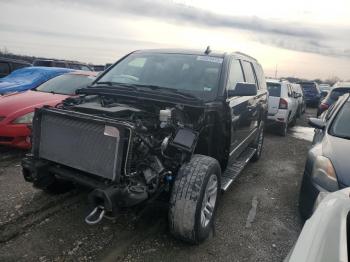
(252, 101)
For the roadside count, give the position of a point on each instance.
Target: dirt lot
(35, 226)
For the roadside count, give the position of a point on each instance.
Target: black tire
(294, 121)
(259, 143)
(283, 129)
(186, 203)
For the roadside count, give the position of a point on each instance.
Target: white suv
(283, 104)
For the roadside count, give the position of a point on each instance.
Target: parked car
(183, 123)
(8, 65)
(17, 109)
(283, 105)
(338, 89)
(324, 89)
(325, 236)
(62, 64)
(312, 93)
(98, 68)
(301, 99)
(28, 78)
(327, 166)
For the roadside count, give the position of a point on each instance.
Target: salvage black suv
(181, 124)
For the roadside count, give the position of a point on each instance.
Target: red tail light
(324, 106)
(283, 104)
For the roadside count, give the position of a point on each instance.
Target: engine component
(165, 117)
(185, 139)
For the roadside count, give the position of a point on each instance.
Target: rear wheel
(259, 143)
(194, 199)
(283, 129)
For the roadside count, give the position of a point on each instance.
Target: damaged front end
(127, 153)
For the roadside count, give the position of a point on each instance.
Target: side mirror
(324, 94)
(243, 89)
(317, 123)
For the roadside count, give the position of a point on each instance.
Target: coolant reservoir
(165, 117)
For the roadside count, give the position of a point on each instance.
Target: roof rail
(241, 53)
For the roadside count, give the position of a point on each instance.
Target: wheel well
(214, 139)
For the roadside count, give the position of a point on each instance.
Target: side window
(4, 69)
(60, 64)
(235, 75)
(18, 65)
(249, 73)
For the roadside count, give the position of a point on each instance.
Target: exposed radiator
(89, 146)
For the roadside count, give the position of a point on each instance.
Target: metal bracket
(94, 213)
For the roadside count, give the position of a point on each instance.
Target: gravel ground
(257, 218)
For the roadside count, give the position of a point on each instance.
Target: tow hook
(98, 212)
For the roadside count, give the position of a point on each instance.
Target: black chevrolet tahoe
(177, 123)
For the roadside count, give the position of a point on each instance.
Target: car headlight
(25, 119)
(323, 174)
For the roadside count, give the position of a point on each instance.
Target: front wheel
(283, 129)
(194, 199)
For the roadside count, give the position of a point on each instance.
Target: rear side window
(336, 93)
(274, 89)
(260, 75)
(236, 74)
(4, 69)
(248, 72)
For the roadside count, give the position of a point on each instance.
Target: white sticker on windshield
(211, 59)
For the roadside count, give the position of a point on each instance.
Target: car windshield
(341, 124)
(65, 84)
(197, 75)
(274, 89)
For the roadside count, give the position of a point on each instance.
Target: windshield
(341, 124)
(193, 74)
(66, 84)
(274, 89)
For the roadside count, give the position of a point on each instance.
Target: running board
(236, 168)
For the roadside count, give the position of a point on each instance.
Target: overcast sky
(304, 38)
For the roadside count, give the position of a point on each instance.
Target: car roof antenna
(207, 51)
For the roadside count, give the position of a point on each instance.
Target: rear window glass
(309, 88)
(341, 124)
(274, 89)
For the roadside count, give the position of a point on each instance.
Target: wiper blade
(167, 89)
(116, 84)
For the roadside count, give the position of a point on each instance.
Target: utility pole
(276, 72)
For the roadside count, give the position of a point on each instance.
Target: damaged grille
(83, 144)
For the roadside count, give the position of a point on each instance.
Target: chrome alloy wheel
(209, 200)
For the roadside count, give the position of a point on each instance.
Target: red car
(17, 110)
